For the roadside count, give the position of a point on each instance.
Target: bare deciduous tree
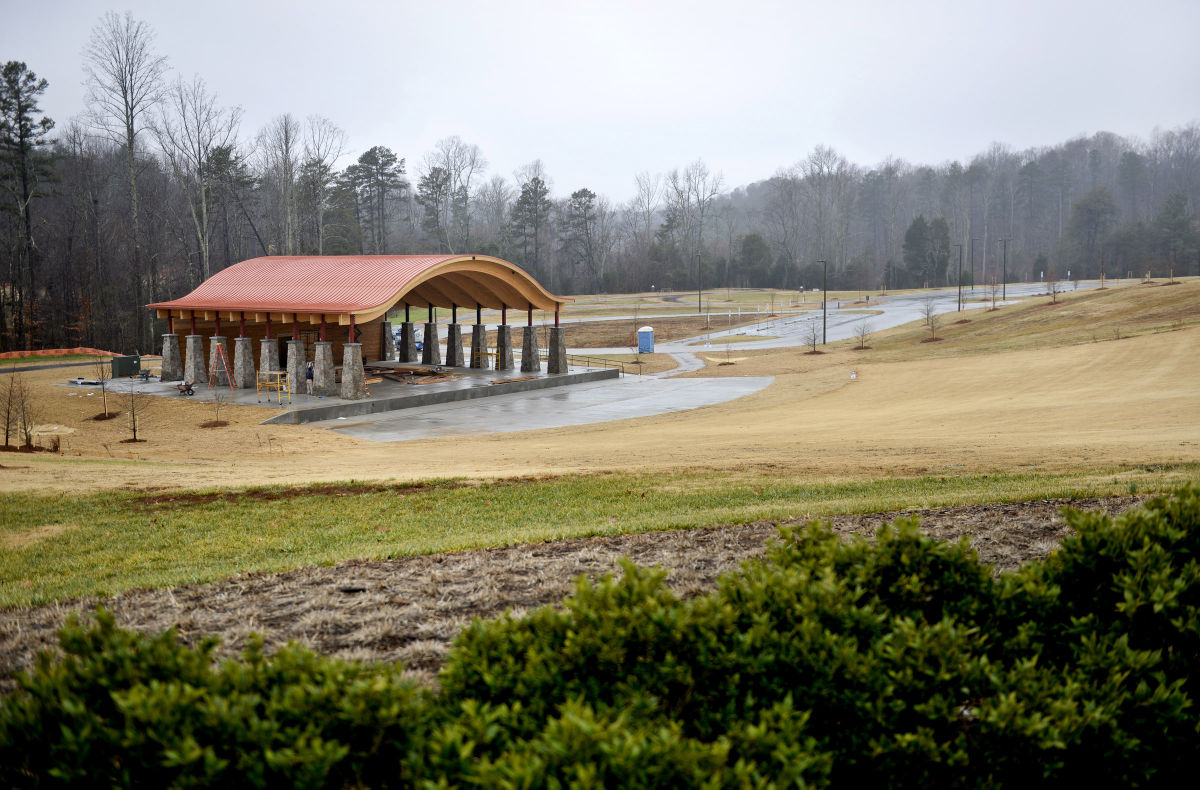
(124, 82)
(324, 142)
(933, 319)
(862, 331)
(189, 127)
(812, 335)
(690, 197)
(10, 393)
(137, 404)
(279, 147)
(102, 370)
(461, 162)
(1053, 287)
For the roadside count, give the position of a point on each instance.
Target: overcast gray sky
(602, 90)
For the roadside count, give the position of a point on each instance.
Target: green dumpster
(126, 366)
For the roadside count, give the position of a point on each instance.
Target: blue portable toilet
(646, 340)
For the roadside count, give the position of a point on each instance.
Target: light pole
(1004, 276)
(824, 293)
(959, 277)
(973, 240)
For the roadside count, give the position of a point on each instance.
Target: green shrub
(897, 662)
(123, 709)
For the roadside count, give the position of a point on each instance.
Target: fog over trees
(155, 187)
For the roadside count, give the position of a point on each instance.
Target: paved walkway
(581, 404)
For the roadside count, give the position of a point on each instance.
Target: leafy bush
(900, 661)
(122, 709)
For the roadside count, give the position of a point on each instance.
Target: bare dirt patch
(410, 609)
(24, 538)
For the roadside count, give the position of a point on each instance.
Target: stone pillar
(354, 385)
(295, 367)
(172, 365)
(557, 361)
(530, 361)
(219, 376)
(479, 346)
(387, 349)
(408, 343)
(323, 376)
(504, 354)
(454, 349)
(431, 352)
(194, 369)
(243, 362)
(268, 354)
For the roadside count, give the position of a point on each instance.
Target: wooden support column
(170, 324)
(296, 327)
(268, 335)
(478, 313)
(530, 315)
(242, 324)
(217, 330)
(453, 313)
(556, 306)
(503, 313)
(406, 317)
(351, 332)
(193, 322)
(322, 327)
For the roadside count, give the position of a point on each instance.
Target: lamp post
(1004, 276)
(959, 277)
(824, 293)
(972, 256)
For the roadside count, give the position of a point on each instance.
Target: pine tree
(23, 166)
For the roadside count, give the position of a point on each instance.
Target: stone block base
(408, 343)
(172, 364)
(323, 377)
(504, 351)
(194, 367)
(431, 350)
(557, 361)
(296, 367)
(354, 385)
(387, 347)
(479, 346)
(268, 354)
(530, 361)
(454, 347)
(243, 362)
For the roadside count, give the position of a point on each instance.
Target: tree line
(156, 186)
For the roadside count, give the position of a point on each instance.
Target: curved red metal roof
(354, 283)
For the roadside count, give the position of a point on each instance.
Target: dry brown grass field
(1023, 386)
(1026, 388)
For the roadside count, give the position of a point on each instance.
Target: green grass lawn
(57, 547)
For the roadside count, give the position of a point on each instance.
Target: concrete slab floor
(462, 378)
(582, 404)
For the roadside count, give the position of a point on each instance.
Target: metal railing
(593, 362)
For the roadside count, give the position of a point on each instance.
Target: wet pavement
(580, 404)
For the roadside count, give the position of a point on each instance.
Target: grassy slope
(64, 547)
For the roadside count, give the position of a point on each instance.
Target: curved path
(659, 393)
